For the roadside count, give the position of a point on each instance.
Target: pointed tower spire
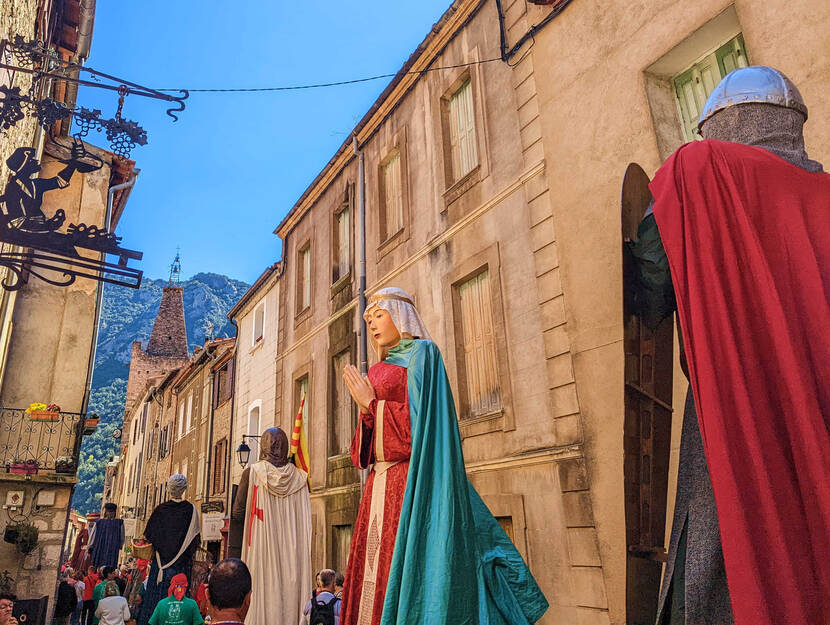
(169, 336)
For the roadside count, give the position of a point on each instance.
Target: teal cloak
(452, 562)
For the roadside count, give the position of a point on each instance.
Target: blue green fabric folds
(452, 561)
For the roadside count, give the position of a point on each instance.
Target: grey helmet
(757, 83)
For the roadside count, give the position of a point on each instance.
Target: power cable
(332, 84)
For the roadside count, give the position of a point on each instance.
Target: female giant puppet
(425, 548)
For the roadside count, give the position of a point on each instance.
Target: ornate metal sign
(23, 223)
(32, 57)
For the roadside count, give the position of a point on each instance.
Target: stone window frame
(453, 189)
(304, 313)
(504, 420)
(658, 76)
(306, 369)
(343, 516)
(347, 343)
(513, 507)
(397, 144)
(345, 201)
(257, 342)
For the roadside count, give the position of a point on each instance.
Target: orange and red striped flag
(299, 439)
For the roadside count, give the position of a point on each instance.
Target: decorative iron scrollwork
(34, 58)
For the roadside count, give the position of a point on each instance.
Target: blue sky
(217, 182)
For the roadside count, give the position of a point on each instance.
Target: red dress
(382, 439)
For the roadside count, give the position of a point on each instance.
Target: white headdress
(400, 306)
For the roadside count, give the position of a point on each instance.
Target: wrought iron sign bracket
(33, 58)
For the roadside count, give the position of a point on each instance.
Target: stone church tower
(167, 348)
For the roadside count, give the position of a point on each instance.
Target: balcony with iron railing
(41, 443)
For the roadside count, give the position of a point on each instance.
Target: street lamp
(243, 452)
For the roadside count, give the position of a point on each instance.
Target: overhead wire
(332, 84)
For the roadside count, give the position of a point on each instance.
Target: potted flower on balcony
(24, 467)
(65, 464)
(41, 412)
(91, 423)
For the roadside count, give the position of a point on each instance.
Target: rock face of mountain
(127, 315)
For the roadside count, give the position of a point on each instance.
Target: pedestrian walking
(80, 587)
(66, 600)
(323, 608)
(112, 609)
(90, 581)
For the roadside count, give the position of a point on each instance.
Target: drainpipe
(361, 289)
(229, 452)
(99, 296)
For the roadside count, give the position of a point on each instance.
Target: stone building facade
(179, 423)
(494, 188)
(254, 376)
(454, 185)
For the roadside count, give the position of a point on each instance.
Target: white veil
(400, 306)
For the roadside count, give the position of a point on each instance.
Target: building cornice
(430, 48)
(266, 281)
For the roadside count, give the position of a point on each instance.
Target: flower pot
(66, 467)
(29, 467)
(90, 425)
(11, 533)
(45, 415)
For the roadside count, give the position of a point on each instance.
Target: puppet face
(381, 328)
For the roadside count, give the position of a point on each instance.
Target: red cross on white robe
(256, 513)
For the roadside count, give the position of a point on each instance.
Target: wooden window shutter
(482, 381)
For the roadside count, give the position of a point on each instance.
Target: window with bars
(343, 411)
(694, 85)
(391, 196)
(259, 324)
(476, 349)
(462, 131)
(304, 278)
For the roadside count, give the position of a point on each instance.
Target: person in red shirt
(90, 581)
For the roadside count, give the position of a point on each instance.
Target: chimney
(169, 337)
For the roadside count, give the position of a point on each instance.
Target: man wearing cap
(173, 529)
(738, 235)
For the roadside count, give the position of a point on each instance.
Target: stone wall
(35, 573)
(16, 17)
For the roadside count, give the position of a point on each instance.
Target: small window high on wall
(694, 85)
(462, 131)
(259, 324)
(253, 430)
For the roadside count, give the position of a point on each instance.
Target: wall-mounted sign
(14, 499)
(213, 506)
(212, 524)
(50, 247)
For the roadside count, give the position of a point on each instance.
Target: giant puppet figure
(425, 548)
(174, 530)
(108, 539)
(737, 238)
(273, 499)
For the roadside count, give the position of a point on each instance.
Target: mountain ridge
(127, 315)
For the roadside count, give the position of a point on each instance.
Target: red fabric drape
(747, 236)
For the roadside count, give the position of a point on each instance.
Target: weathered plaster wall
(591, 63)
